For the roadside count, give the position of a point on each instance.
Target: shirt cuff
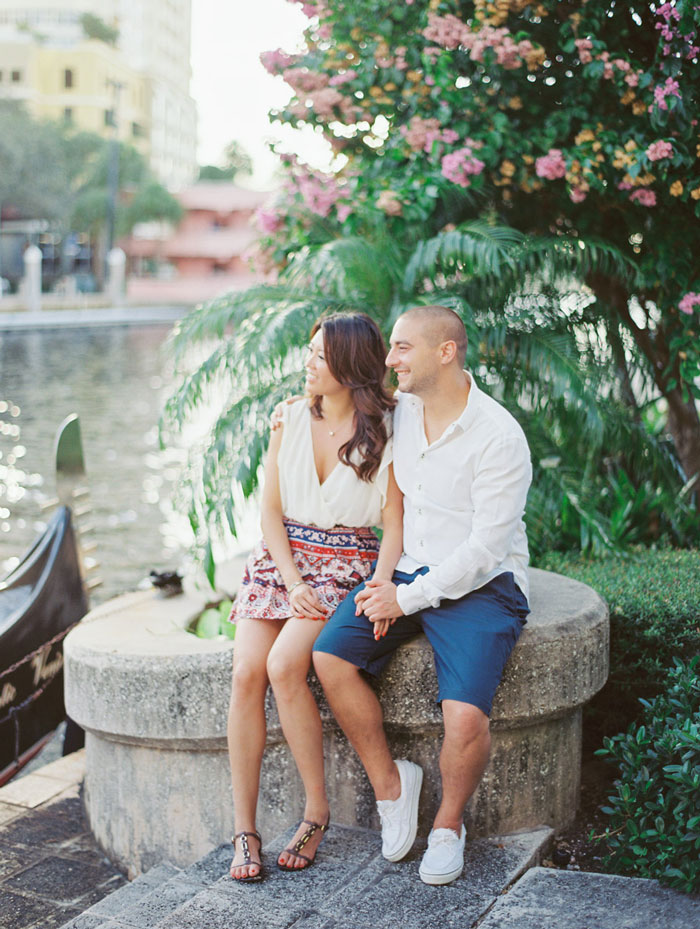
(417, 595)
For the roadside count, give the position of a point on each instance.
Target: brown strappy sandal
(301, 842)
(247, 860)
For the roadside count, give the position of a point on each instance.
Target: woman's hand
(381, 627)
(305, 603)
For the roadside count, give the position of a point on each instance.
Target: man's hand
(378, 601)
(276, 417)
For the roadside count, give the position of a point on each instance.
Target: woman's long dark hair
(355, 354)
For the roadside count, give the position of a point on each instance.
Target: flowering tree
(574, 119)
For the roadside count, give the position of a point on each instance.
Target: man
(463, 465)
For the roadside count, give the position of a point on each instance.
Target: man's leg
(463, 759)
(345, 646)
(359, 715)
(471, 638)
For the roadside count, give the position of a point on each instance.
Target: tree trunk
(683, 421)
(684, 426)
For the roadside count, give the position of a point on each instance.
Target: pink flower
(300, 110)
(658, 150)
(302, 81)
(343, 210)
(417, 131)
(578, 194)
(317, 196)
(669, 88)
(389, 202)
(276, 61)
(448, 136)
(325, 100)
(644, 197)
(446, 31)
(268, 220)
(668, 11)
(433, 135)
(458, 166)
(688, 302)
(584, 46)
(551, 166)
(343, 78)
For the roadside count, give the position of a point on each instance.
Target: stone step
(546, 898)
(350, 887)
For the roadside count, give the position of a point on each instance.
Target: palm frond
(356, 270)
(474, 248)
(535, 338)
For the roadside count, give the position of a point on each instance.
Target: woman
(328, 479)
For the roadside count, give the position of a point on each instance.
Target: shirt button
(420, 512)
(421, 543)
(420, 487)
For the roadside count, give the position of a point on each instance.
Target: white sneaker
(444, 857)
(400, 817)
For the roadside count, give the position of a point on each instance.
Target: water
(117, 380)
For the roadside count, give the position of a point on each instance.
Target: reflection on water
(116, 380)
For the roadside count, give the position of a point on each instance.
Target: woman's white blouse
(343, 499)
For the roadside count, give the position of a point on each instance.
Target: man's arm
(499, 492)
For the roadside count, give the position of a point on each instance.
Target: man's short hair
(442, 325)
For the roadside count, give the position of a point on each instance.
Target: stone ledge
(153, 699)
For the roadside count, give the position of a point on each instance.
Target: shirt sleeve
(499, 492)
(382, 476)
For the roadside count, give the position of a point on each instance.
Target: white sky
(232, 89)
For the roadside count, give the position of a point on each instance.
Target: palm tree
(530, 342)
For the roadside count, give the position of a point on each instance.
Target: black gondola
(40, 601)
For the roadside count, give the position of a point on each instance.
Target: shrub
(654, 826)
(654, 601)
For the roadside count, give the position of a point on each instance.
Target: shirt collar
(465, 417)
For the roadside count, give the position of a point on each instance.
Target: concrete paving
(350, 885)
(92, 316)
(546, 898)
(51, 869)
(52, 874)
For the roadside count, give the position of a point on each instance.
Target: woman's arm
(303, 599)
(392, 531)
(390, 550)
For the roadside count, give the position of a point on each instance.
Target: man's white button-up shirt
(464, 499)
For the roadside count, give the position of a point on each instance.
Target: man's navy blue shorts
(471, 637)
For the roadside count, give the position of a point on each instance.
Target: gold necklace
(332, 432)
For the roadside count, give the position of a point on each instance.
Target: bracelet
(294, 585)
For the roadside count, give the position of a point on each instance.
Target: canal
(116, 379)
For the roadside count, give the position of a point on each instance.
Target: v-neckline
(321, 483)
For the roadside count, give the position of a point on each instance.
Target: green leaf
(208, 624)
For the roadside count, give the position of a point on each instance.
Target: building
(212, 238)
(48, 62)
(83, 85)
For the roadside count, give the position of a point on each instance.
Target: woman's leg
(247, 729)
(287, 666)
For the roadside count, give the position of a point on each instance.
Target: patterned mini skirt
(332, 561)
